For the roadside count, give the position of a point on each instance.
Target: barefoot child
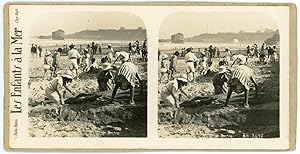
(86, 60)
(105, 78)
(173, 65)
(55, 61)
(47, 63)
(168, 93)
(125, 79)
(240, 81)
(220, 80)
(54, 91)
(164, 67)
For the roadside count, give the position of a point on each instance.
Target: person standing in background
(55, 61)
(33, 50)
(40, 49)
(207, 54)
(47, 63)
(86, 60)
(73, 56)
(164, 68)
(99, 48)
(80, 49)
(110, 53)
(94, 48)
(173, 65)
(190, 59)
(227, 55)
(129, 47)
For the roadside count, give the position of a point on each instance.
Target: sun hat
(222, 69)
(68, 74)
(234, 57)
(106, 66)
(125, 55)
(164, 56)
(72, 45)
(243, 59)
(109, 45)
(183, 78)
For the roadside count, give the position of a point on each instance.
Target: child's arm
(182, 91)
(73, 93)
(60, 94)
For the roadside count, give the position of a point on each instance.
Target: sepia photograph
(218, 75)
(149, 76)
(88, 75)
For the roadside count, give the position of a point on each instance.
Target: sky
(77, 21)
(195, 23)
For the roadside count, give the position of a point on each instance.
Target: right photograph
(218, 75)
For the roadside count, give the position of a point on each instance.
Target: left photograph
(87, 75)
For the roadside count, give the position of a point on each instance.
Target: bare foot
(132, 103)
(247, 107)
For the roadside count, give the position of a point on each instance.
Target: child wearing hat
(168, 93)
(110, 53)
(164, 67)
(238, 59)
(173, 64)
(122, 56)
(47, 62)
(125, 79)
(220, 80)
(105, 78)
(86, 60)
(227, 55)
(74, 56)
(190, 60)
(93, 67)
(240, 81)
(55, 61)
(210, 71)
(54, 91)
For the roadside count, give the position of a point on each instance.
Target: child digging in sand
(105, 78)
(220, 80)
(125, 79)
(240, 81)
(168, 93)
(55, 89)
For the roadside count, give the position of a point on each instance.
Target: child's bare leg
(114, 92)
(132, 95)
(45, 71)
(246, 103)
(53, 72)
(194, 77)
(229, 95)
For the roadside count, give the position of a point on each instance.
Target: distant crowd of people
(109, 74)
(36, 50)
(232, 73)
(265, 53)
